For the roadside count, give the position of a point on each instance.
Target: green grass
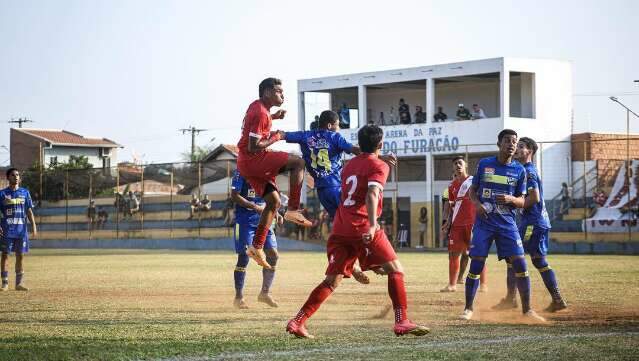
(124, 305)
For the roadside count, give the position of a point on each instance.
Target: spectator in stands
(381, 120)
(315, 123)
(194, 205)
(133, 204)
(599, 197)
(566, 198)
(440, 116)
(205, 204)
(420, 116)
(463, 113)
(228, 213)
(404, 112)
(91, 213)
(344, 116)
(103, 217)
(423, 226)
(477, 113)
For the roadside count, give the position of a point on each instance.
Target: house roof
(215, 153)
(66, 138)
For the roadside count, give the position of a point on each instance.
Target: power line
(193, 132)
(20, 121)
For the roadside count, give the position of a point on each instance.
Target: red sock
(260, 236)
(295, 191)
(453, 270)
(397, 293)
(314, 301)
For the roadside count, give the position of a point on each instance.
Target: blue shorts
(244, 238)
(18, 245)
(330, 197)
(535, 240)
(507, 241)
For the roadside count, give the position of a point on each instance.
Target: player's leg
(481, 242)
(537, 247)
(323, 291)
(272, 199)
(295, 166)
(4, 272)
(510, 301)
(20, 269)
(268, 275)
(463, 263)
(453, 271)
(243, 237)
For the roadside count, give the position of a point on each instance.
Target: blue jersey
(537, 214)
(14, 206)
(245, 216)
(322, 151)
(492, 179)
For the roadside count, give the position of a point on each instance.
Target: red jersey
(257, 123)
(351, 219)
(461, 205)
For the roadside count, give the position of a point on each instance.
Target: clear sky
(137, 71)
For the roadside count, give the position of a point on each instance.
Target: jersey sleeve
(532, 181)
(521, 183)
(295, 137)
(256, 121)
(378, 175)
(28, 203)
(238, 182)
(343, 144)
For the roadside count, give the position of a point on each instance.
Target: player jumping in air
(497, 189)
(248, 207)
(459, 224)
(356, 235)
(322, 151)
(16, 208)
(260, 166)
(533, 229)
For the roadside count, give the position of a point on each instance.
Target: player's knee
(272, 256)
(454, 254)
(296, 162)
(540, 262)
(393, 266)
(332, 281)
(242, 260)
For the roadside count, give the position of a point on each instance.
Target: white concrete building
(531, 96)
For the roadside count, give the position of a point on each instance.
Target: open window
(454, 92)
(522, 94)
(396, 103)
(343, 101)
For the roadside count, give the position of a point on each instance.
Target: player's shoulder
(256, 107)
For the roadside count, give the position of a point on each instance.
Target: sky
(138, 71)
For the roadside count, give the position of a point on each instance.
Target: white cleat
(467, 315)
(5, 287)
(533, 316)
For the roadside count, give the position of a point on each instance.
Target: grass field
(170, 305)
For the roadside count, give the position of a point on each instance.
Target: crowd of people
(405, 116)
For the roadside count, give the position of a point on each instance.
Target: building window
(411, 170)
(444, 165)
(106, 162)
(53, 161)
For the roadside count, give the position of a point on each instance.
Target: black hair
(455, 158)
(314, 125)
(530, 144)
(12, 170)
(369, 137)
(327, 117)
(504, 133)
(268, 83)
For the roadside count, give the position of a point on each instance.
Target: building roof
(215, 153)
(66, 138)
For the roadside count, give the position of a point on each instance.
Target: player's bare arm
(243, 202)
(390, 159)
(472, 193)
(532, 198)
(257, 144)
(372, 197)
(280, 114)
(507, 199)
(32, 221)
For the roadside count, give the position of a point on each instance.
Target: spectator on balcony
(463, 113)
(477, 113)
(315, 123)
(420, 116)
(440, 116)
(404, 112)
(381, 120)
(194, 205)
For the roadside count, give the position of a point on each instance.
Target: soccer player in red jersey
(356, 235)
(459, 224)
(259, 166)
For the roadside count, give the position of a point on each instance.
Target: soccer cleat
(21, 288)
(556, 306)
(448, 288)
(406, 327)
(266, 298)
(258, 255)
(483, 288)
(384, 312)
(361, 277)
(298, 218)
(533, 316)
(240, 303)
(505, 304)
(467, 315)
(5, 287)
(298, 329)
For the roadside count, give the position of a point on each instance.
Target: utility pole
(20, 121)
(193, 132)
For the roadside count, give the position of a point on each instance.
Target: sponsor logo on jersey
(488, 170)
(486, 193)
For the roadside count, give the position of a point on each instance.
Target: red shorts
(342, 252)
(459, 238)
(261, 169)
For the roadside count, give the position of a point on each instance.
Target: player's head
(271, 91)
(369, 138)
(459, 164)
(329, 120)
(526, 149)
(13, 176)
(507, 142)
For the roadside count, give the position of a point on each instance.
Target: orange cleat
(406, 327)
(258, 255)
(297, 217)
(298, 329)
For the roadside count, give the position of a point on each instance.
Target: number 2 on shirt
(321, 159)
(348, 201)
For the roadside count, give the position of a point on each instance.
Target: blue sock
(268, 275)
(5, 277)
(19, 277)
(523, 282)
(240, 274)
(548, 275)
(511, 281)
(472, 281)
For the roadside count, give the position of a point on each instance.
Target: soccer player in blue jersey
(248, 207)
(15, 206)
(498, 188)
(533, 229)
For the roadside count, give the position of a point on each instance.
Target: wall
(601, 146)
(24, 149)
(63, 154)
(486, 94)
